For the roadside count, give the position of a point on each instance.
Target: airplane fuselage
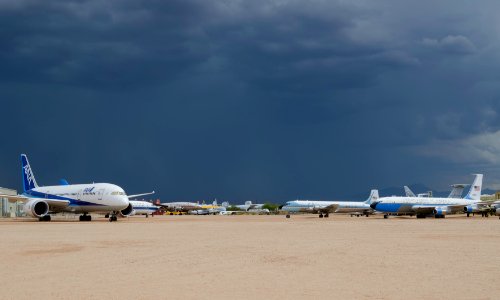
(84, 198)
(143, 207)
(311, 206)
(406, 204)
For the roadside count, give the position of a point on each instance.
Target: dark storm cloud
(251, 99)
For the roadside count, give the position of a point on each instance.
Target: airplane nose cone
(123, 201)
(374, 205)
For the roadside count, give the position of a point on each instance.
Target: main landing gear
(113, 218)
(85, 218)
(326, 215)
(45, 218)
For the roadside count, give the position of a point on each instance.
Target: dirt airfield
(251, 257)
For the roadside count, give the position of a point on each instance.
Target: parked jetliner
(41, 202)
(143, 208)
(439, 207)
(324, 208)
(249, 205)
(181, 207)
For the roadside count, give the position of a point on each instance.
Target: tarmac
(251, 257)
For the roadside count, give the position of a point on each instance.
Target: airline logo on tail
(29, 174)
(29, 180)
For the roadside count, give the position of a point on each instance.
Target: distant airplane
(41, 202)
(248, 206)
(324, 208)
(182, 207)
(143, 208)
(438, 207)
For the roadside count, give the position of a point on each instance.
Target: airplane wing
(425, 210)
(54, 204)
(329, 208)
(139, 195)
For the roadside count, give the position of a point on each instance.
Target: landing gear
(106, 216)
(85, 218)
(327, 215)
(113, 218)
(288, 216)
(439, 216)
(386, 216)
(357, 216)
(147, 216)
(420, 216)
(45, 218)
(468, 214)
(320, 216)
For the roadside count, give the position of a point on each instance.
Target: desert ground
(251, 257)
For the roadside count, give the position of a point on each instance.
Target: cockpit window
(118, 193)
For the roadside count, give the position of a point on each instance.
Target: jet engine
(128, 211)
(36, 208)
(440, 212)
(471, 209)
(498, 212)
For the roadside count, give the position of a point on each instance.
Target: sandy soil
(251, 257)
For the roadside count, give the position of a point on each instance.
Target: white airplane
(495, 208)
(181, 207)
(324, 208)
(143, 208)
(248, 205)
(438, 207)
(41, 202)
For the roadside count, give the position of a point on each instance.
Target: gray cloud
(451, 44)
(249, 99)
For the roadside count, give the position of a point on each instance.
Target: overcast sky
(251, 100)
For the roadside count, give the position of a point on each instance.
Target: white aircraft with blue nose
(42, 201)
(432, 206)
(324, 208)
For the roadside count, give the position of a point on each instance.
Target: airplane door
(100, 194)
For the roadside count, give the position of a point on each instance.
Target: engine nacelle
(439, 211)
(470, 209)
(129, 211)
(36, 208)
(497, 212)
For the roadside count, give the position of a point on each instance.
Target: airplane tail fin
(409, 192)
(457, 190)
(373, 196)
(475, 189)
(29, 181)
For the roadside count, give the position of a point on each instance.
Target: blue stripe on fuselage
(72, 202)
(389, 207)
(148, 208)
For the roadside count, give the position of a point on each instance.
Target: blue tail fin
(29, 181)
(63, 181)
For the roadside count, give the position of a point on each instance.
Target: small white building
(8, 209)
